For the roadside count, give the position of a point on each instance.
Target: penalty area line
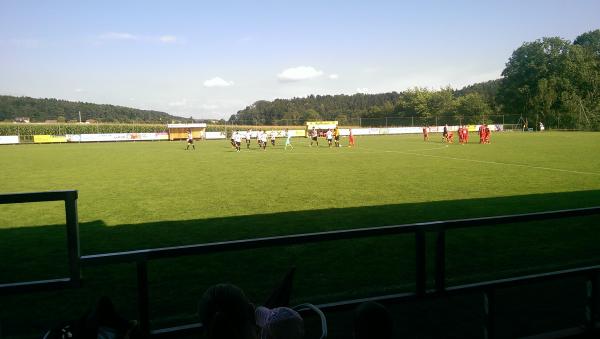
(494, 162)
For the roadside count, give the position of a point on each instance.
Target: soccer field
(153, 194)
(134, 183)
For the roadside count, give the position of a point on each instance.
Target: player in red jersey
(487, 134)
(481, 133)
(466, 136)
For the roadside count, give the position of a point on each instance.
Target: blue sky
(209, 59)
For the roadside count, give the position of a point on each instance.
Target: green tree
(589, 40)
(534, 78)
(472, 108)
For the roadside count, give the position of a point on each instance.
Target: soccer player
(273, 135)
(259, 138)
(329, 136)
(248, 136)
(336, 137)
(351, 139)
(237, 138)
(460, 135)
(487, 134)
(190, 141)
(231, 139)
(263, 139)
(314, 137)
(466, 136)
(445, 134)
(450, 138)
(481, 133)
(288, 142)
(426, 133)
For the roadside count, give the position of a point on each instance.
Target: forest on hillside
(40, 110)
(550, 79)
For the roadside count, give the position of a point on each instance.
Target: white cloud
(209, 106)
(333, 76)
(22, 43)
(217, 82)
(122, 36)
(178, 103)
(118, 36)
(79, 90)
(370, 70)
(168, 39)
(363, 90)
(299, 73)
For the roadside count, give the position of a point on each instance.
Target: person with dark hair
(102, 321)
(279, 323)
(373, 321)
(226, 313)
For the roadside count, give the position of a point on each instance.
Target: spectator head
(226, 313)
(280, 323)
(373, 321)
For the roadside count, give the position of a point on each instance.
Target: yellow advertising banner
(44, 139)
(182, 133)
(321, 124)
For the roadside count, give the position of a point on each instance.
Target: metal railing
(74, 257)
(487, 288)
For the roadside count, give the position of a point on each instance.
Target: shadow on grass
(326, 272)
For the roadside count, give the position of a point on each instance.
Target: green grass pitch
(153, 194)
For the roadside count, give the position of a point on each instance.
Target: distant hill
(40, 110)
(473, 100)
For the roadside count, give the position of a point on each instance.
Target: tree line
(550, 80)
(40, 110)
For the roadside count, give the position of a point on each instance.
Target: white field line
(490, 162)
(412, 152)
(291, 151)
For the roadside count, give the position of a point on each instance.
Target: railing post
(73, 237)
(143, 297)
(440, 262)
(421, 269)
(489, 307)
(592, 302)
